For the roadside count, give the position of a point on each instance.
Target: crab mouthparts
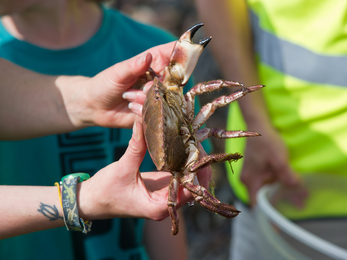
(184, 57)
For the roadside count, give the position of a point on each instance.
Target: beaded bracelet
(69, 203)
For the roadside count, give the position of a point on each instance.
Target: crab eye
(184, 131)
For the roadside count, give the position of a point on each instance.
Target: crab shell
(163, 108)
(162, 126)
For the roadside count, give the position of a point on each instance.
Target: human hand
(136, 97)
(266, 161)
(120, 190)
(295, 196)
(103, 102)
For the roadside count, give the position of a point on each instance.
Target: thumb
(127, 72)
(136, 150)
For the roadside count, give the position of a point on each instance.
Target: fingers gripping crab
(172, 132)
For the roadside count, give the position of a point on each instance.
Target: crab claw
(184, 57)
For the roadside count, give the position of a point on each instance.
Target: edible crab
(172, 132)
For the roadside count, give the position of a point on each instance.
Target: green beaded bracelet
(69, 199)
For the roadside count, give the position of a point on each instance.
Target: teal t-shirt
(43, 161)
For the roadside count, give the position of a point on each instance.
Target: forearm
(159, 242)
(266, 158)
(26, 209)
(32, 104)
(228, 22)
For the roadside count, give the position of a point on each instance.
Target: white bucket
(281, 238)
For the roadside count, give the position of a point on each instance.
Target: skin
(97, 199)
(158, 232)
(67, 108)
(60, 24)
(52, 24)
(232, 48)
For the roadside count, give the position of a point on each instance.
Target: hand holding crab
(172, 132)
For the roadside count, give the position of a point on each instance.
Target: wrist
(70, 202)
(85, 202)
(75, 100)
(92, 205)
(255, 113)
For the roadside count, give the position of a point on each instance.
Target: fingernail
(135, 107)
(131, 95)
(136, 131)
(143, 59)
(146, 88)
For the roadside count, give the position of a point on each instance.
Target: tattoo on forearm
(51, 212)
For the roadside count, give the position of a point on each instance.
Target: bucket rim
(300, 234)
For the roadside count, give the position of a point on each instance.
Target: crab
(172, 131)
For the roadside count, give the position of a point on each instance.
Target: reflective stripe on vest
(302, 51)
(295, 60)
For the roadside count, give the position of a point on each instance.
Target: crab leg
(172, 202)
(203, 88)
(207, 110)
(205, 133)
(174, 186)
(213, 158)
(205, 199)
(200, 194)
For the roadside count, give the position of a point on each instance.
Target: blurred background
(208, 234)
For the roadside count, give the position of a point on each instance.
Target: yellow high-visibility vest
(301, 48)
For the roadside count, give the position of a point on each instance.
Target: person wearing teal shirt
(90, 38)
